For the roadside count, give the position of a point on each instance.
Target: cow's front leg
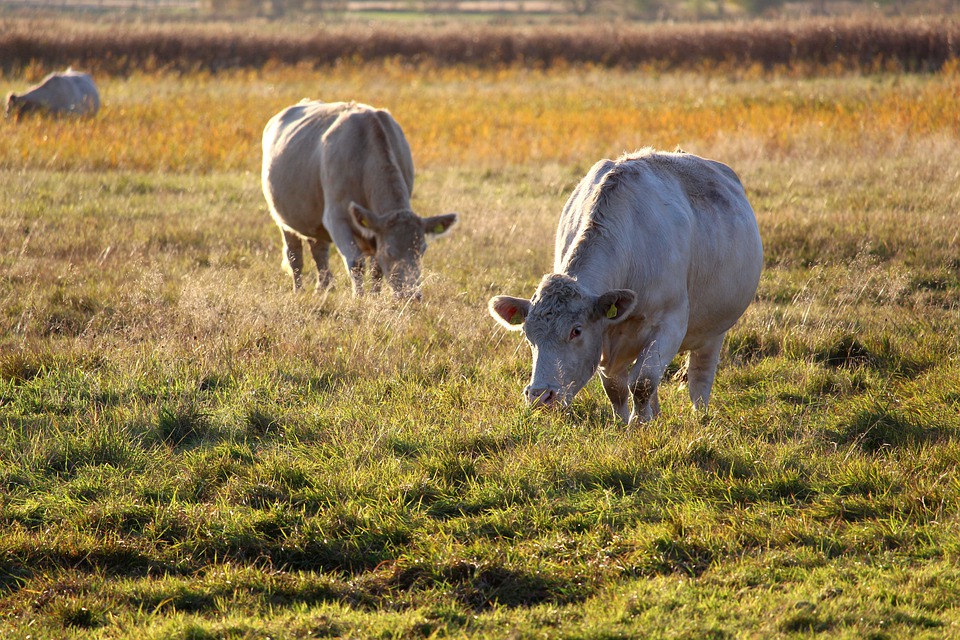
(293, 257)
(618, 391)
(376, 276)
(353, 258)
(648, 370)
(646, 401)
(320, 249)
(356, 266)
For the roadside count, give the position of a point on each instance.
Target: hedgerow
(859, 43)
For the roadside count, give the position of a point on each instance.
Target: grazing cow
(343, 172)
(66, 93)
(655, 253)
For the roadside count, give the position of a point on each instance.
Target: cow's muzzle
(541, 396)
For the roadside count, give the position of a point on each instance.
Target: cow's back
(316, 152)
(67, 92)
(726, 253)
(366, 158)
(669, 226)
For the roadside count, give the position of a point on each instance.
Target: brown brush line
(904, 44)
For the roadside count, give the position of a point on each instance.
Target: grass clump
(182, 425)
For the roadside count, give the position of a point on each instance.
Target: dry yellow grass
(205, 122)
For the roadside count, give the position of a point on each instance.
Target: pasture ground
(189, 450)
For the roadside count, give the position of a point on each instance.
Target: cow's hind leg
(701, 370)
(320, 249)
(293, 257)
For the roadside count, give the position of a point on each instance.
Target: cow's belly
(310, 231)
(720, 292)
(298, 209)
(709, 323)
(302, 220)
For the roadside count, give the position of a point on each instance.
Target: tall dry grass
(202, 122)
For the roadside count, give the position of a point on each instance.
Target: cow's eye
(575, 332)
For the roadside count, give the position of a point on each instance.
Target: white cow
(66, 93)
(655, 253)
(343, 172)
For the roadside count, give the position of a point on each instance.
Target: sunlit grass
(190, 450)
(206, 122)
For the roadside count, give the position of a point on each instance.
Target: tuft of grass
(20, 366)
(79, 616)
(182, 425)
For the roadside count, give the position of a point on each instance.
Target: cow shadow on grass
(876, 428)
(477, 585)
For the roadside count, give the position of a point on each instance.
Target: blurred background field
(511, 115)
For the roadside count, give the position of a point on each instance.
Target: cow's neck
(384, 203)
(596, 262)
(389, 191)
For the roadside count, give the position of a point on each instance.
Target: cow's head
(18, 106)
(12, 105)
(400, 238)
(564, 325)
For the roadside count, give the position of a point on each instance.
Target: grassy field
(189, 450)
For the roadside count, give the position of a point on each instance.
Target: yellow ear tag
(612, 312)
(516, 318)
(363, 223)
(438, 228)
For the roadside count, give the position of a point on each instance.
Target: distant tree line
(853, 43)
(272, 8)
(636, 9)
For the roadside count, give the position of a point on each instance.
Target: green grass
(189, 450)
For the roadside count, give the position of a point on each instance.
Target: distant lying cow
(67, 93)
(343, 172)
(655, 253)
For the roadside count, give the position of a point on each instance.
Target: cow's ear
(614, 306)
(437, 226)
(366, 222)
(508, 311)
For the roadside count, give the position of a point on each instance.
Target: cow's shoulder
(369, 128)
(53, 77)
(611, 178)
